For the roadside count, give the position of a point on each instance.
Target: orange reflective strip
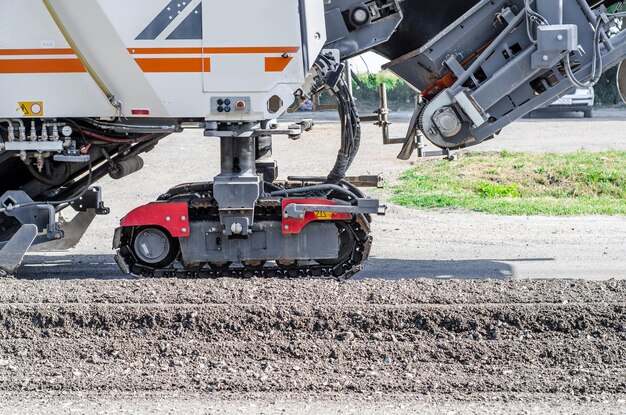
(41, 66)
(26, 52)
(272, 64)
(277, 64)
(156, 65)
(14, 66)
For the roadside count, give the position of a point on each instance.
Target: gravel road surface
(513, 342)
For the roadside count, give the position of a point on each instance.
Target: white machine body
(159, 58)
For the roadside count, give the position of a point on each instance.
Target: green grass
(507, 183)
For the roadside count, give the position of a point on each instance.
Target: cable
(315, 179)
(366, 65)
(350, 122)
(532, 17)
(78, 127)
(57, 203)
(83, 60)
(597, 67)
(141, 139)
(312, 189)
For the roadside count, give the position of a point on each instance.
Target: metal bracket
(92, 199)
(19, 205)
(40, 146)
(470, 107)
(12, 254)
(293, 131)
(364, 206)
(553, 43)
(381, 119)
(70, 158)
(73, 232)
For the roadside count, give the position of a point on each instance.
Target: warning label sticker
(31, 109)
(324, 215)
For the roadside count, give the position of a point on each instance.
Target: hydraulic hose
(312, 189)
(348, 115)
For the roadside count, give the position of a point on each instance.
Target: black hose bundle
(348, 115)
(350, 133)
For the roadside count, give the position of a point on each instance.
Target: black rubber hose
(314, 189)
(350, 123)
(350, 133)
(316, 179)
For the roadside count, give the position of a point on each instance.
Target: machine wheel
(154, 247)
(346, 244)
(588, 114)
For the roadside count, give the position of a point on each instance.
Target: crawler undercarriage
(342, 240)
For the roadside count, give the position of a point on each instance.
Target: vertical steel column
(237, 187)
(237, 155)
(383, 113)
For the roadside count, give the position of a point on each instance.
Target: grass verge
(507, 183)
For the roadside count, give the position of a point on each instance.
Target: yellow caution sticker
(31, 109)
(324, 215)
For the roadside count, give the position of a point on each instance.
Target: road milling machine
(87, 86)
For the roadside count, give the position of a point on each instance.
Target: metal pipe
(103, 87)
(246, 155)
(135, 128)
(383, 112)
(10, 130)
(238, 155)
(348, 183)
(21, 129)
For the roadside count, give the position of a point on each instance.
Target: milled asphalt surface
(368, 347)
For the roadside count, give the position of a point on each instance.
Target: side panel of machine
(37, 65)
(164, 58)
(258, 53)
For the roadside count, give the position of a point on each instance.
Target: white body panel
(171, 58)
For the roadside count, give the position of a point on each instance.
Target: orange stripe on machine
(13, 66)
(147, 64)
(156, 65)
(277, 64)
